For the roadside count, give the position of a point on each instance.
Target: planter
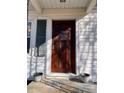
(37, 77)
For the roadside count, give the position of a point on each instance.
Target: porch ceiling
(67, 4)
(41, 5)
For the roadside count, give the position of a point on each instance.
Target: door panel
(63, 46)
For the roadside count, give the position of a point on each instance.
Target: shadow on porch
(53, 85)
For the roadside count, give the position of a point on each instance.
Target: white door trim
(49, 48)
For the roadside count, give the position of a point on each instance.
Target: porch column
(49, 46)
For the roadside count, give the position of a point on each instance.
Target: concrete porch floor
(60, 86)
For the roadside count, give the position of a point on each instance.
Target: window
(28, 35)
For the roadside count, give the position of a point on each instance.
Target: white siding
(87, 61)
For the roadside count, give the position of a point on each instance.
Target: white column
(49, 46)
(33, 33)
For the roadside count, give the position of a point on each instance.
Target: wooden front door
(63, 46)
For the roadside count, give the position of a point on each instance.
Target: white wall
(87, 53)
(34, 63)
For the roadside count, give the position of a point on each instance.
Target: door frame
(49, 50)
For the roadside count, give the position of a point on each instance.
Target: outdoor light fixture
(62, 1)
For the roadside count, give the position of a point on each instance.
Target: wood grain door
(63, 46)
